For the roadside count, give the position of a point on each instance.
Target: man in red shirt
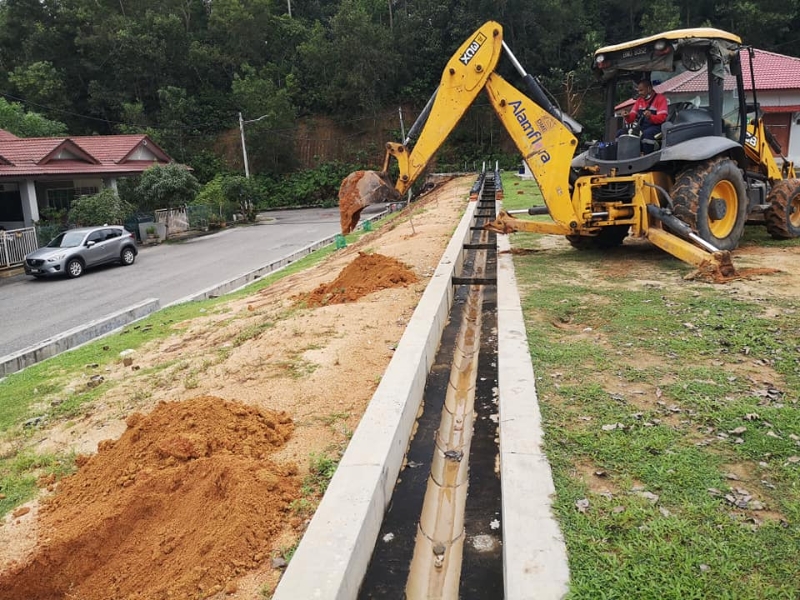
(649, 110)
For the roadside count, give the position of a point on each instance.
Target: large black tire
(74, 268)
(608, 237)
(127, 256)
(712, 199)
(782, 217)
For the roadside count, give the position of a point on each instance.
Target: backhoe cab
(711, 170)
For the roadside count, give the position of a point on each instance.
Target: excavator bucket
(718, 269)
(360, 189)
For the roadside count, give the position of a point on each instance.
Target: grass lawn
(671, 420)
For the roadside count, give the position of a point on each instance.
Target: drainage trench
(441, 535)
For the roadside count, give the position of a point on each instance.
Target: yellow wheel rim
(725, 191)
(794, 211)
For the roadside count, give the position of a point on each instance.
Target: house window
(61, 198)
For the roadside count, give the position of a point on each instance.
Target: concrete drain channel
(428, 521)
(430, 544)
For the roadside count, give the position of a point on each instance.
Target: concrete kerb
(334, 554)
(534, 553)
(76, 337)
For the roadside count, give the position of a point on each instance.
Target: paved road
(32, 310)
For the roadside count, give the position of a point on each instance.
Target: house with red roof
(777, 79)
(41, 173)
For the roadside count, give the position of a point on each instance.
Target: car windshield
(68, 239)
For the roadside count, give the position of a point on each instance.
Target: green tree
(350, 68)
(660, 15)
(42, 83)
(15, 119)
(102, 208)
(166, 186)
(268, 108)
(213, 196)
(243, 193)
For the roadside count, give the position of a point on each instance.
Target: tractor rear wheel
(782, 217)
(608, 237)
(712, 199)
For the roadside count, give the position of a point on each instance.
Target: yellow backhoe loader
(691, 193)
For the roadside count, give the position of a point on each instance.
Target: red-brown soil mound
(366, 274)
(181, 504)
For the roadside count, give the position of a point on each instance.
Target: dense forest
(183, 70)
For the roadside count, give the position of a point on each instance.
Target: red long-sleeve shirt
(658, 109)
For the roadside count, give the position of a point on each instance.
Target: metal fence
(175, 219)
(198, 215)
(15, 244)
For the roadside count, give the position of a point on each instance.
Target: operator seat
(686, 123)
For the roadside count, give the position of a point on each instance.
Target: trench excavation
(441, 535)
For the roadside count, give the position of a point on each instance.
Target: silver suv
(75, 250)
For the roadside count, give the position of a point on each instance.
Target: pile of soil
(367, 273)
(183, 503)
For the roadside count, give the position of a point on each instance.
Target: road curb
(76, 336)
(335, 551)
(534, 553)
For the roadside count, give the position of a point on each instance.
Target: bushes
(228, 194)
(166, 186)
(311, 187)
(102, 208)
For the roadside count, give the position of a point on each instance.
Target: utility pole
(402, 125)
(289, 3)
(244, 148)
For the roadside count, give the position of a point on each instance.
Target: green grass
(19, 475)
(320, 472)
(702, 383)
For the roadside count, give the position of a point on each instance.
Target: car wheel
(74, 268)
(127, 256)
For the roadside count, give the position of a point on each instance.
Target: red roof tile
(32, 157)
(773, 72)
(116, 148)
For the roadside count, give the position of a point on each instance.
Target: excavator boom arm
(464, 77)
(546, 144)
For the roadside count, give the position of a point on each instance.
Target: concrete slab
(534, 553)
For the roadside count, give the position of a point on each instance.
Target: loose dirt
(182, 503)
(366, 274)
